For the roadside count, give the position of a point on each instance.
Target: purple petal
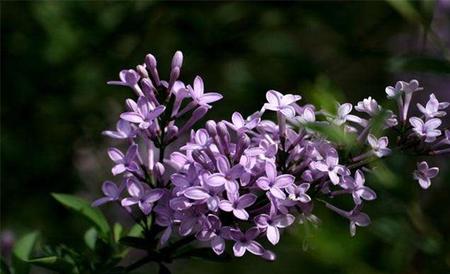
(226, 206)
(153, 195)
(210, 97)
(241, 214)
(218, 245)
(255, 248)
(271, 171)
(238, 249)
(129, 201)
(132, 117)
(284, 180)
(115, 155)
(283, 221)
(216, 180)
(273, 234)
(277, 193)
(117, 169)
(196, 193)
(246, 200)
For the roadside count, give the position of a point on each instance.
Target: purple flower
(124, 162)
(199, 140)
(226, 176)
(433, 107)
(379, 146)
(298, 193)
(128, 78)
(144, 113)
(111, 191)
(124, 131)
(357, 188)
(424, 174)
(272, 224)
(246, 242)
(142, 196)
(394, 92)
(331, 167)
(204, 194)
(237, 204)
(241, 125)
(356, 217)
(213, 232)
(281, 103)
(369, 106)
(273, 183)
(428, 129)
(198, 95)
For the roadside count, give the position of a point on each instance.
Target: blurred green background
(57, 56)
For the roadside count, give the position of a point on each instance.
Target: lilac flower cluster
(242, 181)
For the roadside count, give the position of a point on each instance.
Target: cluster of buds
(242, 182)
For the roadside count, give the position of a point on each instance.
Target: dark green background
(57, 57)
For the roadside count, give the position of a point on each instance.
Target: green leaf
(117, 232)
(135, 231)
(22, 251)
(53, 263)
(84, 208)
(90, 238)
(407, 10)
(135, 242)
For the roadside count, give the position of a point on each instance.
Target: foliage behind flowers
(236, 185)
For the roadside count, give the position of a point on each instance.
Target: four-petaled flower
(141, 195)
(379, 146)
(427, 129)
(331, 167)
(226, 176)
(433, 107)
(198, 95)
(273, 183)
(237, 204)
(424, 174)
(298, 193)
(281, 103)
(272, 223)
(124, 162)
(143, 113)
(112, 193)
(357, 188)
(244, 242)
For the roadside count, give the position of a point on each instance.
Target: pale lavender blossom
(298, 193)
(141, 195)
(433, 107)
(124, 162)
(427, 130)
(355, 216)
(379, 146)
(369, 106)
(144, 113)
(246, 242)
(124, 131)
(237, 204)
(112, 193)
(423, 174)
(282, 103)
(330, 166)
(273, 183)
(272, 223)
(226, 176)
(197, 92)
(357, 188)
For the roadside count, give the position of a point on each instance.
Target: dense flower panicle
(237, 183)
